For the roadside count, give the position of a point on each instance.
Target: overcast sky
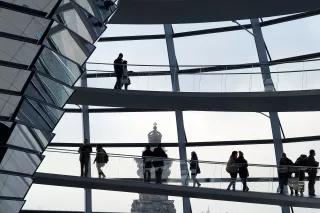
(283, 40)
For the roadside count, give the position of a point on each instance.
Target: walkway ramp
(172, 190)
(287, 101)
(190, 11)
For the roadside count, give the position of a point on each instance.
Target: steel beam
(86, 136)
(182, 139)
(269, 87)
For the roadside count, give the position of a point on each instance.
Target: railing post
(86, 136)
(174, 68)
(268, 87)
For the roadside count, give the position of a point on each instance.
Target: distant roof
(196, 11)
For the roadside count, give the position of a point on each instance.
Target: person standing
(194, 168)
(232, 169)
(312, 171)
(284, 172)
(300, 172)
(125, 78)
(101, 159)
(84, 151)
(147, 163)
(118, 69)
(159, 156)
(243, 170)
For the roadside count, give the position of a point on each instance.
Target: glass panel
(14, 186)
(18, 161)
(100, 9)
(39, 115)
(68, 44)
(16, 51)
(87, 25)
(8, 104)
(49, 91)
(10, 205)
(58, 67)
(60, 92)
(13, 79)
(26, 137)
(43, 5)
(22, 24)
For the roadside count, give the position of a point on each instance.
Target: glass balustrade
(262, 178)
(219, 78)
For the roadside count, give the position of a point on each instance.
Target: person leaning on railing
(312, 172)
(284, 172)
(232, 169)
(243, 170)
(147, 163)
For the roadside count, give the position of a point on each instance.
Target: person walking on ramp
(194, 168)
(101, 159)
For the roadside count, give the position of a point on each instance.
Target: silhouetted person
(194, 168)
(243, 170)
(84, 151)
(125, 78)
(159, 156)
(300, 171)
(101, 159)
(312, 172)
(147, 163)
(284, 172)
(232, 169)
(118, 69)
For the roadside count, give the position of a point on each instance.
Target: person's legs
(81, 168)
(118, 82)
(99, 168)
(126, 86)
(148, 175)
(193, 176)
(311, 184)
(86, 168)
(245, 188)
(158, 174)
(196, 180)
(233, 181)
(281, 184)
(234, 178)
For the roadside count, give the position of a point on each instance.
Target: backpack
(106, 158)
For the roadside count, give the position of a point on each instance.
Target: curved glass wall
(226, 48)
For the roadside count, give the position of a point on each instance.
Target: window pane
(26, 137)
(13, 79)
(39, 115)
(22, 24)
(87, 25)
(10, 205)
(68, 44)
(18, 161)
(49, 91)
(43, 5)
(8, 104)
(100, 9)
(16, 51)
(58, 67)
(14, 186)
